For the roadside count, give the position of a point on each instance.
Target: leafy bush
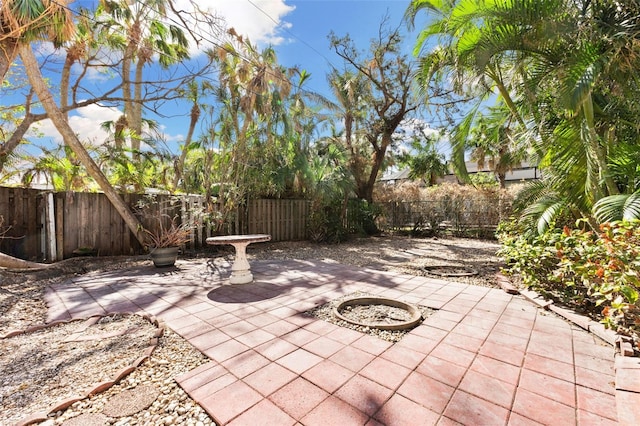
(362, 216)
(325, 223)
(332, 221)
(594, 271)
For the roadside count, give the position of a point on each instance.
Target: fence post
(51, 252)
(59, 227)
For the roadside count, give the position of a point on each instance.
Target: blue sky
(306, 41)
(298, 30)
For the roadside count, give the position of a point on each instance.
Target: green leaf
(617, 207)
(630, 294)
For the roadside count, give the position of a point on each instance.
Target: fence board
(89, 220)
(60, 219)
(284, 220)
(104, 244)
(117, 225)
(22, 217)
(69, 231)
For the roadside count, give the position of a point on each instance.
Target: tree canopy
(560, 68)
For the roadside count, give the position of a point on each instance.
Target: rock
(130, 401)
(169, 420)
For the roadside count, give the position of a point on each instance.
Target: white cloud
(85, 122)
(254, 20)
(259, 20)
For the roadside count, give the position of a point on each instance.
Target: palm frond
(542, 214)
(459, 142)
(617, 207)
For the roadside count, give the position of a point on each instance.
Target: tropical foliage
(552, 82)
(424, 161)
(565, 77)
(592, 271)
(375, 95)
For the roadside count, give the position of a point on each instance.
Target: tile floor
(483, 358)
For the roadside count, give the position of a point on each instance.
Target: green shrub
(596, 272)
(362, 216)
(325, 223)
(334, 220)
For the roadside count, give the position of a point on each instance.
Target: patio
(485, 357)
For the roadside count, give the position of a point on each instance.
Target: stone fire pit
(387, 319)
(378, 312)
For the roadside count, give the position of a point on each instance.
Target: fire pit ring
(449, 271)
(414, 312)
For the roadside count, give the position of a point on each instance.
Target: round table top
(231, 239)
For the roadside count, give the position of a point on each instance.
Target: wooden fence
(284, 220)
(22, 217)
(48, 226)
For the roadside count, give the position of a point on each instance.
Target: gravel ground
(398, 254)
(22, 305)
(76, 355)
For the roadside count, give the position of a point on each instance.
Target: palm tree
(291, 133)
(253, 118)
(71, 139)
(77, 49)
(494, 142)
(351, 91)
(568, 64)
(58, 170)
(23, 23)
(27, 21)
(456, 29)
(194, 92)
(146, 35)
(425, 162)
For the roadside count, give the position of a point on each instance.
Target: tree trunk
(135, 119)
(70, 138)
(11, 262)
(126, 83)
(10, 145)
(64, 84)
(8, 53)
(502, 179)
(596, 151)
(195, 115)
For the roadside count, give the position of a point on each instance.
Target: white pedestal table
(240, 270)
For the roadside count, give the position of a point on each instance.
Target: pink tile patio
(484, 357)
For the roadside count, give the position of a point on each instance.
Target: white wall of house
(523, 173)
